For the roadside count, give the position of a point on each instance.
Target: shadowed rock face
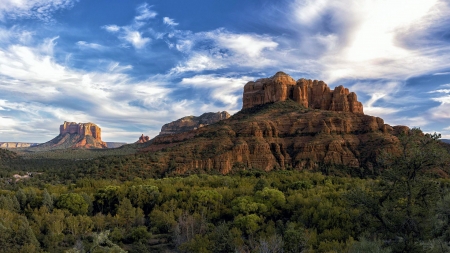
(308, 93)
(190, 123)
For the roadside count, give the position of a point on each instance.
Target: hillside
(278, 136)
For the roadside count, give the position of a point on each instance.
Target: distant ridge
(17, 144)
(115, 144)
(446, 140)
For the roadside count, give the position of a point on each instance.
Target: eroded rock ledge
(309, 93)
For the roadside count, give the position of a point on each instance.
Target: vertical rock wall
(313, 94)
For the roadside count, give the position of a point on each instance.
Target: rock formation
(308, 93)
(17, 144)
(285, 131)
(82, 129)
(143, 139)
(190, 123)
(75, 135)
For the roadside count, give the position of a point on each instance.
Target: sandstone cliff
(308, 93)
(190, 123)
(75, 135)
(284, 124)
(279, 136)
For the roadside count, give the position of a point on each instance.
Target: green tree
(73, 202)
(47, 200)
(400, 206)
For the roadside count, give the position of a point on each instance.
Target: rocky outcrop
(17, 144)
(190, 123)
(143, 139)
(279, 136)
(82, 129)
(74, 135)
(308, 93)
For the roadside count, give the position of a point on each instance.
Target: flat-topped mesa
(82, 129)
(309, 93)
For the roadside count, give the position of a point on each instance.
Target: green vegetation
(119, 203)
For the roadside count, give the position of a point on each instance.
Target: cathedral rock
(82, 129)
(308, 93)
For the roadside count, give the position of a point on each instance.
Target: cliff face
(75, 135)
(280, 135)
(190, 123)
(308, 93)
(82, 129)
(284, 124)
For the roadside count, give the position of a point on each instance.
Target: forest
(111, 204)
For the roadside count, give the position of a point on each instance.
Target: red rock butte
(82, 129)
(309, 93)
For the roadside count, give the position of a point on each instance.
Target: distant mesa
(11, 145)
(308, 93)
(190, 123)
(75, 135)
(143, 139)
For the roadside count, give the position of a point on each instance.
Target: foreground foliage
(405, 209)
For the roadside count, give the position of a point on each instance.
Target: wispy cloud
(40, 9)
(145, 12)
(227, 90)
(132, 33)
(169, 21)
(220, 48)
(84, 44)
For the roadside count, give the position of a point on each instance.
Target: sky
(132, 66)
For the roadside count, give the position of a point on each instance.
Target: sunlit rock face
(78, 135)
(309, 93)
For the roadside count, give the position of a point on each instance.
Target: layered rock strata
(75, 135)
(308, 93)
(82, 129)
(190, 123)
(299, 124)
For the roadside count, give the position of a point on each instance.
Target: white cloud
(369, 39)
(440, 91)
(228, 90)
(441, 74)
(441, 112)
(169, 21)
(145, 12)
(84, 44)
(199, 62)
(136, 39)
(443, 100)
(41, 9)
(111, 28)
(244, 44)
(219, 49)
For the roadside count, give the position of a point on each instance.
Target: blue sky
(132, 66)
